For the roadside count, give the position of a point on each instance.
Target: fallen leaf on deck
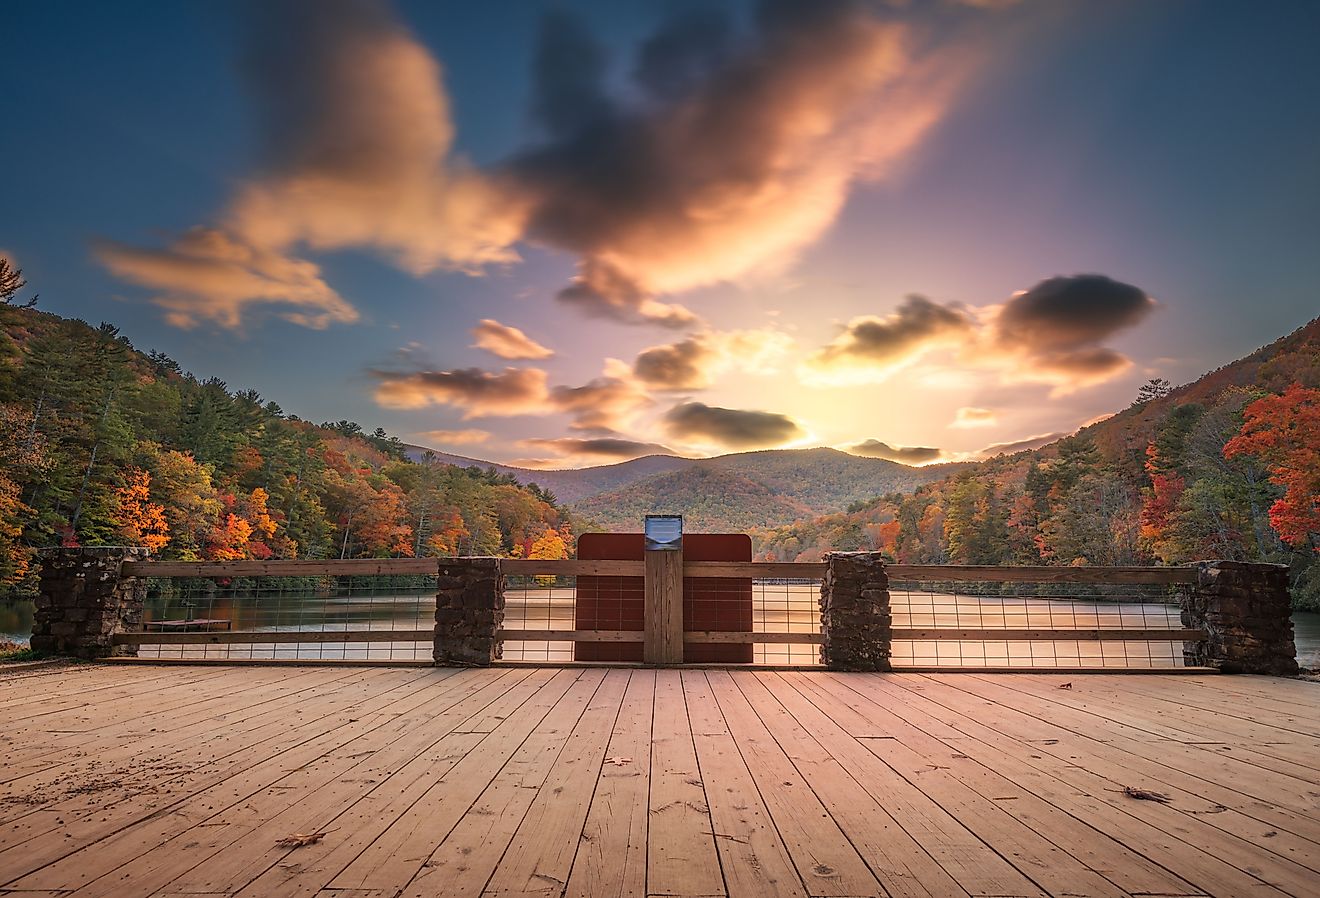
(1145, 794)
(298, 840)
(1065, 685)
(618, 762)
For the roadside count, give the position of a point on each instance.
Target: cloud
(1053, 331)
(507, 342)
(609, 447)
(208, 275)
(732, 152)
(694, 362)
(599, 291)
(1049, 334)
(603, 405)
(467, 437)
(872, 348)
(970, 416)
(734, 428)
(513, 391)
(356, 137)
(907, 455)
(1022, 445)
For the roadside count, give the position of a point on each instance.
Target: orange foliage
(1284, 432)
(141, 521)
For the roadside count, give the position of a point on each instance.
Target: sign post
(663, 593)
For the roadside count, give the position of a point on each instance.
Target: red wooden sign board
(709, 603)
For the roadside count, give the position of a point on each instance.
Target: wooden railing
(764, 571)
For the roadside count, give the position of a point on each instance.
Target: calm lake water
(776, 608)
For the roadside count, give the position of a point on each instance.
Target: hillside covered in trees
(1227, 467)
(101, 444)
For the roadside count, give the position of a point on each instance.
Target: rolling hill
(729, 492)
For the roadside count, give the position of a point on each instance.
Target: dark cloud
(601, 292)
(676, 366)
(872, 347)
(1067, 313)
(602, 405)
(513, 391)
(908, 455)
(731, 154)
(610, 447)
(735, 428)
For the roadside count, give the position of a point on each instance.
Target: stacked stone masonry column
(855, 618)
(1244, 610)
(83, 601)
(469, 611)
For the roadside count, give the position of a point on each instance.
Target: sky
(571, 233)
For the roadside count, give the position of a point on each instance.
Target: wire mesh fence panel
(539, 603)
(1045, 607)
(786, 606)
(319, 614)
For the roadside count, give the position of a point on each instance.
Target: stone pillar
(1244, 610)
(83, 601)
(854, 612)
(469, 610)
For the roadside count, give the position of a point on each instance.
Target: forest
(103, 445)
(1225, 468)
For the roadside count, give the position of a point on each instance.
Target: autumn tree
(1284, 432)
(141, 522)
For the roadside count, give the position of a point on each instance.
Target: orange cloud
(507, 342)
(970, 416)
(467, 437)
(513, 391)
(358, 140)
(735, 155)
(208, 275)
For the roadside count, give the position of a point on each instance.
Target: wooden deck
(154, 780)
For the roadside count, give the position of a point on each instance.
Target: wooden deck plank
(682, 858)
(1053, 848)
(1123, 760)
(913, 845)
(465, 860)
(367, 761)
(112, 844)
(1196, 732)
(541, 852)
(752, 855)
(114, 793)
(365, 820)
(824, 857)
(398, 853)
(1155, 829)
(176, 782)
(611, 858)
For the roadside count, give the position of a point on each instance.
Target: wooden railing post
(662, 642)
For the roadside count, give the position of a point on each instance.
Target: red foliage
(1284, 432)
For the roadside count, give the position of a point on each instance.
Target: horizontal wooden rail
(765, 570)
(571, 567)
(1006, 635)
(1039, 574)
(289, 567)
(724, 636)
(268, 637)
(761, 570)
(570, 635)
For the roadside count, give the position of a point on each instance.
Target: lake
(776, 607)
